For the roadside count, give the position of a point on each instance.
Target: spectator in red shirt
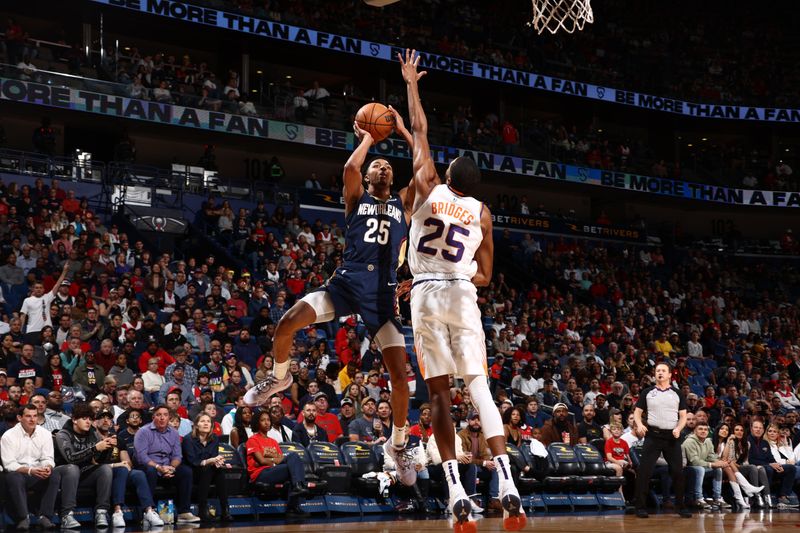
(424, 429)
(327, 421)
(523, 353)
(71, 204)
(267, 464)
(153, 350)
(510, 137)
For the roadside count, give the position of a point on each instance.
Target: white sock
(503, 466)
(280, 369)
(398, 437)
(451, 474)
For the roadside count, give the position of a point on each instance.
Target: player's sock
(398, 437)
(280, 369)
(503, 466)
(451, 474)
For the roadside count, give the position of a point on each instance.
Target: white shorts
(448, 330)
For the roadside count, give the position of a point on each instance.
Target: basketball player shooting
(376, 229)
(450, 254)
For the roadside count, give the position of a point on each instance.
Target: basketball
(376, 119)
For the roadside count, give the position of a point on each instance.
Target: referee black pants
(657, 442)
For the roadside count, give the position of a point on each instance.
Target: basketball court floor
(585, 523)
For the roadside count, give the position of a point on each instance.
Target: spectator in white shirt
(35, 310)
(161, 93)
(318, 95)
(313, 182)
(28, 69)
(300, 106)
(693, 347)
(28, 457)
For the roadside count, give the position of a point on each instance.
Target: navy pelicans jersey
(375, 237)
(375, 240)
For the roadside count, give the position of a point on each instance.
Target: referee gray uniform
(662, 407)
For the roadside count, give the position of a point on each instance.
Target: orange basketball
(376, 119)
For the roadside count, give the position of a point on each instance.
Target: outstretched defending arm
(353, 180)
(484, 255)
(425, 177)
(407, 193)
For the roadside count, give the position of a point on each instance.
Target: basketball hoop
(555, 15)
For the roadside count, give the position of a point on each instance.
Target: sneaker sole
(461, 510)
(513, 517)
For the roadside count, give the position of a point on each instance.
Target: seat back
(564, 460)
(592, 460)
(540, 466)
(235, 475)
(324, 454)
(300, 450)
(359, 457)
(328, 466)
(518, 460)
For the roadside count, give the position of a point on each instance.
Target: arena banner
(285, 32)
(541, 224)
(121, 107)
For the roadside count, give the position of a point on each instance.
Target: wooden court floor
(585, 523)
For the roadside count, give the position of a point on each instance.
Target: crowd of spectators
(177, 79)
(138, 362)
(701, 53)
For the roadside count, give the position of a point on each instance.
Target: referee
(666, 416)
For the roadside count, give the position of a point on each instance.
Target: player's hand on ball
(403, 291)
(399, 125)
(361, 134)
(409, 65)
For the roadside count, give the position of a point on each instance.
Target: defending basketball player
(376, 229)
(450, 254)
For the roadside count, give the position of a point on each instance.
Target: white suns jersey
(445, 234)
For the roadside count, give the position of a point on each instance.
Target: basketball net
(566, 15)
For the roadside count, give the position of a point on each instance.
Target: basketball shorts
(448, 330)
(356, 292)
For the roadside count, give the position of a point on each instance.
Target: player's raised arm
(353, 180)
(484, 255)
(407, 193)
(425, 177)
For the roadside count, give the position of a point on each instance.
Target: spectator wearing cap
(217, 375)
(308, 431)
(123, 475)
(206, 397)
(85, 456)
(159, 455)
(559, 428)
(347, 413)
(148, 332)
(473, 443)
(327, 421)
(231, 321)
(177, 382)
(154, 351)
(190, 373)
(368, 428)
(89, 376)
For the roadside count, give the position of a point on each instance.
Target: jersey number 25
(377, 231)
(450, 240)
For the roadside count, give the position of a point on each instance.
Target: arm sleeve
(142, 448)
(641, 403)
(681, 400)
(190, 452)
(8, 453)
(68, 452)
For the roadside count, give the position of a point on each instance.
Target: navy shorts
(363, 293)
